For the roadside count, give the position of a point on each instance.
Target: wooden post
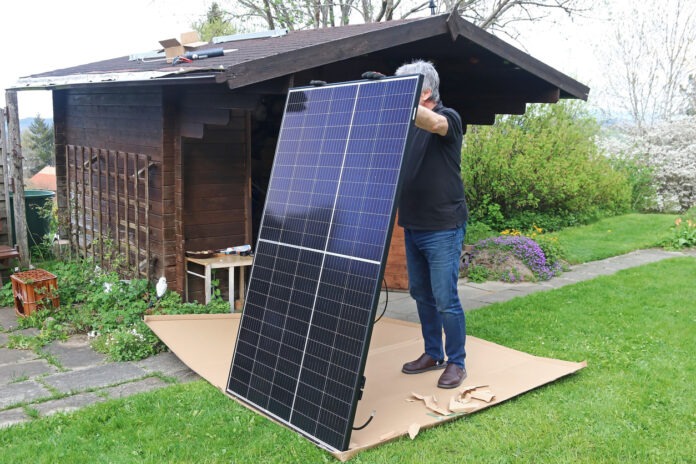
(15, 154)
(6, 172)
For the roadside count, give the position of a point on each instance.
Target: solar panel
(320, 253)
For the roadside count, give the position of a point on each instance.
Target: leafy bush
(641, 178)
(478, 273)
(6, 295)
(43, 250)
(541, 168)
(129, 343)
(109, 309)
(476, 231)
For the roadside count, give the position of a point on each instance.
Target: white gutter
(76, 79)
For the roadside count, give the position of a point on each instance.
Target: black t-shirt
(432, 195)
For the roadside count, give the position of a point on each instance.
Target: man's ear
(426, 94)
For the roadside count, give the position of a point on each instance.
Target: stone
(186, 376)
(75, 356)
(133, 388)
(22, 392)
(67, 404)
(12, 417)
(94, 377)
(8, 318)
(164, 363)
(30, 332)
(8, 356)
(11, 372)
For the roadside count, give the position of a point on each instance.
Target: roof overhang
(294, 61)
(183, 76)
(481, 75)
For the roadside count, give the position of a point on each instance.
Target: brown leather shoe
(423, 364)
(452, 377)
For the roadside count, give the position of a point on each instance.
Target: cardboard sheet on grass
(206, 343)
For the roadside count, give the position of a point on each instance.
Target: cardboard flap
(167, 43)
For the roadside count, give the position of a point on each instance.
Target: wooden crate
(34, 290)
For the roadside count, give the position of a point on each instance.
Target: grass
(615, 236)
(634, 402)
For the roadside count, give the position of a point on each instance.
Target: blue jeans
(433, 271)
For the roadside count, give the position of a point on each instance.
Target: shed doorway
(216, 211)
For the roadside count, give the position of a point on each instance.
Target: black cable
(386, 300)
(368, 421)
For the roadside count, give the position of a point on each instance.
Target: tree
(690, 93)
(40, 142)
(301, 14)
(216, 23)
(649, 54)
(499, 15)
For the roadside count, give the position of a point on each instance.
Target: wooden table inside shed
(228, 262)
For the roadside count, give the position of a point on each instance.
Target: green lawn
(634, 403)
(615, 236)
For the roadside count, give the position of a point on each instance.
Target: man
(433, 213)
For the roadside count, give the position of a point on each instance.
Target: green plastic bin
(37, 226)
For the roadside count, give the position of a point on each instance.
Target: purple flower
(525, 249)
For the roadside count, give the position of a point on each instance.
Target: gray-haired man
(433, 213)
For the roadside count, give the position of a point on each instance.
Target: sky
(44, 35)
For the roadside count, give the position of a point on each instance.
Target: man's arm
(431, 121)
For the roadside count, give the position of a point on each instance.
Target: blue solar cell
(319, 258)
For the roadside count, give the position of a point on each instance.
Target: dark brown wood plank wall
(215, 173)
(216, 183)
(116, 121)
(124, 119)
(199, 188)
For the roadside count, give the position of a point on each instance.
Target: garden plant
(104, 306)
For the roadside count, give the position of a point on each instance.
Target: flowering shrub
(524, 249)
(683, 234)
(667, 154)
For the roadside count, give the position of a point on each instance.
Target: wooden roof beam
(570, 87)
(526, 90)
(479, 118)
(486, 107)
(292, 61)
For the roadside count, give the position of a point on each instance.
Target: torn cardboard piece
(461, 403)
(458, 406)
(431, 403)
(205, 342)
(413, 430)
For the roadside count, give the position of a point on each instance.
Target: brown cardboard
(205, 342)
(175, 47)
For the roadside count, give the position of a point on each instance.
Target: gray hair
(431, 80)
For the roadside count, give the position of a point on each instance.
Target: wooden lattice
(108, 206)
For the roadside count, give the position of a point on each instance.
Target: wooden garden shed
(154, 159)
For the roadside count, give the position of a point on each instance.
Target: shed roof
(481, 74)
